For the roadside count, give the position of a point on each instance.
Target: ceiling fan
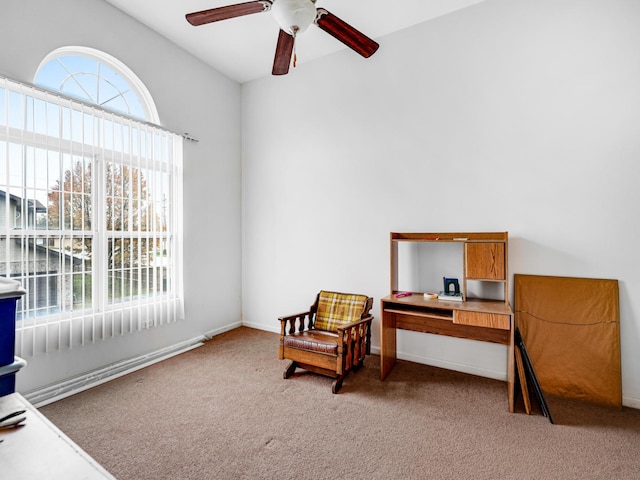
(293, 17)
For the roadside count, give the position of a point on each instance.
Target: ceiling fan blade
(230, 11)
(284, 49)
(344, 32)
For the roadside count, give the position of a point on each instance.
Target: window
(98, 79)
(89, 211)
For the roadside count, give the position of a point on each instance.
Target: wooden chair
(331, 339)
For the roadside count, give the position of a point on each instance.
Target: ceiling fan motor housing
(294, 16)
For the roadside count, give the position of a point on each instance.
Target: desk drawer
(480, 319)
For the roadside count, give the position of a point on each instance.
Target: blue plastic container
(10, 293)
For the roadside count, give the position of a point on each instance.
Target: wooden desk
(484, 320)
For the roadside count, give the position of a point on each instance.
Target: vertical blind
(90, 220)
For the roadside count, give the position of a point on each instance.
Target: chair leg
(289, 370)
(358, 365)
(337, 384)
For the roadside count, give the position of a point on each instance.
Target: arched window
(97, 78)
(90, 203)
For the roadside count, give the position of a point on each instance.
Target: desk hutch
(490, 320)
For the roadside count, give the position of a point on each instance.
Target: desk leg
(387, 342)
(511, 374)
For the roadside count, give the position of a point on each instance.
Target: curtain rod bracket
(187, 136)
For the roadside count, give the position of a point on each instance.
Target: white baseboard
(627, 401)
(212, 333)
(66, 388)
(448, 365)
(75, 385)
(275, 328)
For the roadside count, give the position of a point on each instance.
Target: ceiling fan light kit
(293, 17)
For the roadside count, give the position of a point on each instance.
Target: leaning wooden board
(571, 327)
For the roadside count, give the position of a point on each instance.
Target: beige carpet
(223, 411)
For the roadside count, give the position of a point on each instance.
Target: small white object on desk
(430, 296)
(450, 297)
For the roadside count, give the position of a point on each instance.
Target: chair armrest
(346, 326)
(291, 321)
(355, 340)
(292, 316)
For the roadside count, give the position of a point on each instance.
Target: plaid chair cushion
(335, 309)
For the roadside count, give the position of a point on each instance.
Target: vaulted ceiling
(243, 48)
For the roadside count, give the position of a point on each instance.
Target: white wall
(523, 114)
(190, 98)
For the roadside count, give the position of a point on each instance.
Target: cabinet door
(484, 261)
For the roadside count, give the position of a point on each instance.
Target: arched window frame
(116, 65)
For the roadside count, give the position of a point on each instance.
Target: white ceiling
(243, 48)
